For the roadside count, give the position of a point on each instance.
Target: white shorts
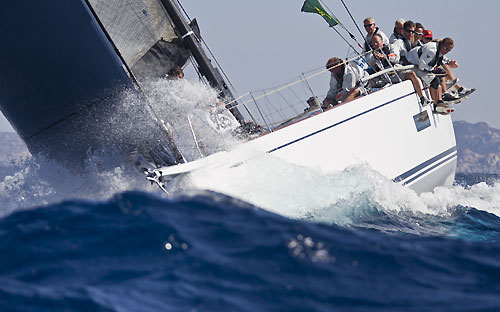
(425, 76)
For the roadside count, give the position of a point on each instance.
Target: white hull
(378, 129)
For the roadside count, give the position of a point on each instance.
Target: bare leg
(449, 76)
(416, 85)
(436, 94)
(352, 95)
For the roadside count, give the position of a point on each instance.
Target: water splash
(187, 108)
(30, 181)
(356, 196)
(36, 181)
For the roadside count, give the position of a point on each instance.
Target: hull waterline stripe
(429, 169)
(425, 164)
(339, 123)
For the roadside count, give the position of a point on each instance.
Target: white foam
(38, 182)
(480, 196)
(35, 181)
(287, 189)
(300, 192)
(335, 197)
(185, 106)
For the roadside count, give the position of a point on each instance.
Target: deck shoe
(450, 97)
(443, 108)
(424, 101)
(462, 92)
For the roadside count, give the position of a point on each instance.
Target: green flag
(313, 6)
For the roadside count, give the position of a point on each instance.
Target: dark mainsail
(65, 62)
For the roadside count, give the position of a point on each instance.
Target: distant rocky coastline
(478, 147)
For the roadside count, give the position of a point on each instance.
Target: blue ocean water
(350, 241)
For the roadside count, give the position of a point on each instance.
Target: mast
(211, 73)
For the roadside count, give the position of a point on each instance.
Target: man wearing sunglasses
(405, 44)
(453, 89)
(371, 29)
(380, 59)
(419, 34)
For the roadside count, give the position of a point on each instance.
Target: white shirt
(428, 54)
(352, 75)
(377, 31)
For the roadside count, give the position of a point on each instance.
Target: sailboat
(61, 98)
(67, 67)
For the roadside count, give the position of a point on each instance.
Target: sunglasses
(447, 49)
(419, 34)
(409, 31)
(368, 25)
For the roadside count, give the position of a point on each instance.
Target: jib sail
(143, 34)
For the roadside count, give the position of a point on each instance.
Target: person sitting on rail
(371, 29)
(427, 37)
(345, 81)
(428, 59)
(419, 34)
(382, 55)
(450, 83)
(402, 46)
(398, 31)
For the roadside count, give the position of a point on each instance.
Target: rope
(296, 81)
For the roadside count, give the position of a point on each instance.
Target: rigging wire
(182, 8)
(356, 24)
(193, 63)
(343, 27)
(352, 36)
(354, 21)
(298, 81)
(209, 51)
(367, 43)
(233, 87)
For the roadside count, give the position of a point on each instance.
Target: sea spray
(357, 196)
(301, 192)
(28, 181)
(186, 108)
(36, 181)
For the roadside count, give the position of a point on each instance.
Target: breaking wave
(103, 238)
(355, 197)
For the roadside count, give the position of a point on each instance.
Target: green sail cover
(313, 6)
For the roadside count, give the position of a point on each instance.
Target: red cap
(427, 34)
